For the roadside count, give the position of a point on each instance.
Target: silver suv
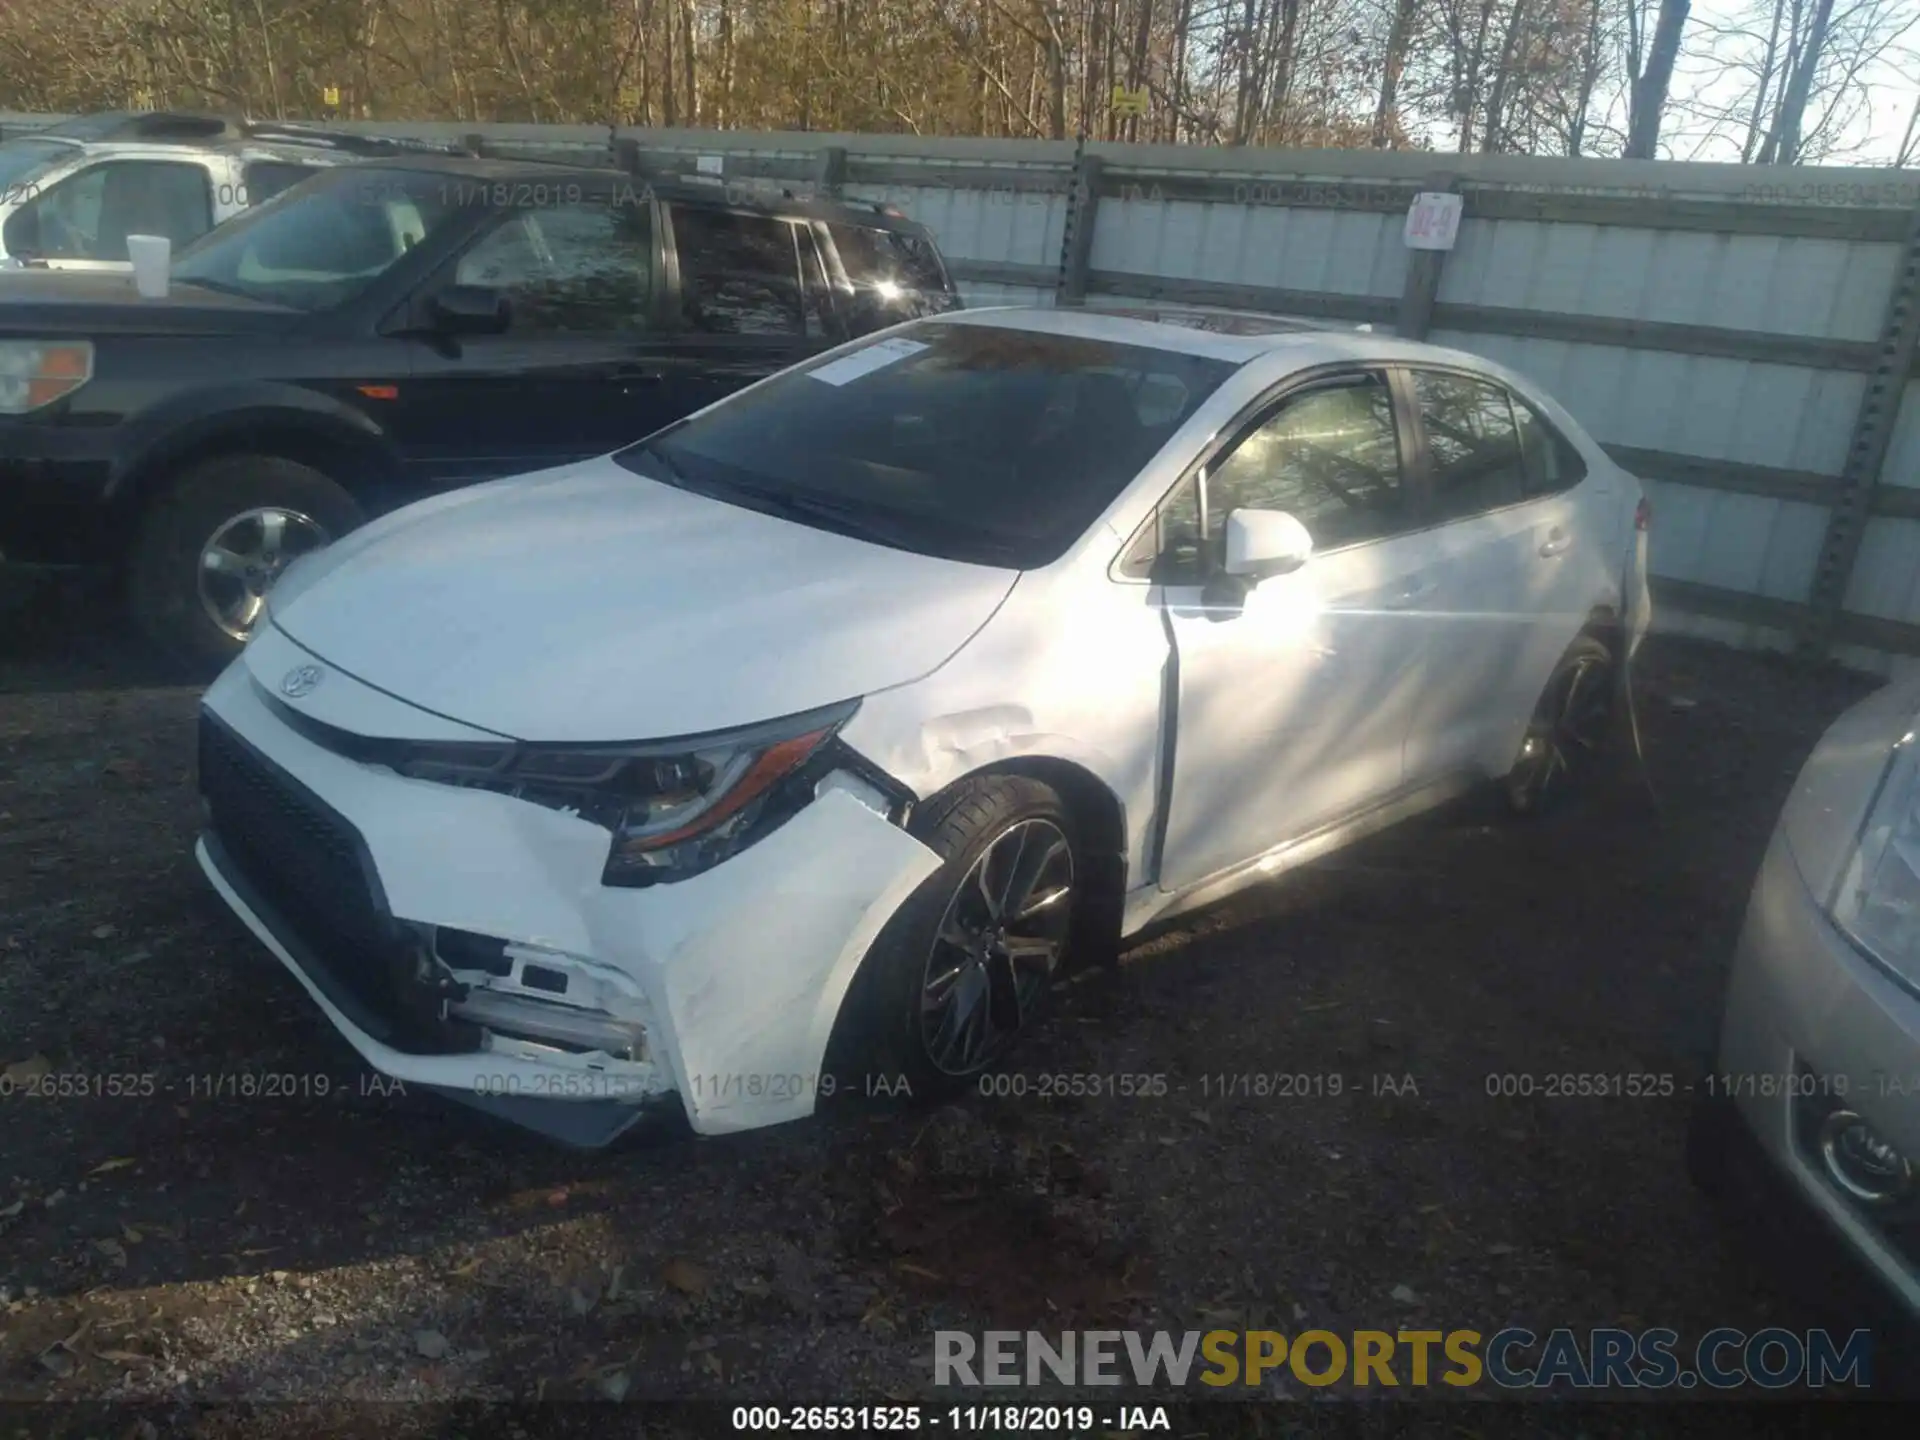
(72, 193)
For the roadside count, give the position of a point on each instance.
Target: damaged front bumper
(462, 940)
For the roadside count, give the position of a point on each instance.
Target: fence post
(1415, 317)
(830, 170)
(474, 143)
(1076, 236)
(626, 155)
(1866, 454)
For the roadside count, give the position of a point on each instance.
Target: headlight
(1877, 902)
(675, 808)
(34, 373)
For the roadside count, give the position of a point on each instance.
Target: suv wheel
(963, 968)
(212, 544)
(1568, 730)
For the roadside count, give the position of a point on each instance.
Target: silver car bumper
(1811, 1025)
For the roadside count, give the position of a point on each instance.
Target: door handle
(638, 375)
(1411, 596)
(1556, 542)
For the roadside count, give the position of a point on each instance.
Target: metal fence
(1741, 338)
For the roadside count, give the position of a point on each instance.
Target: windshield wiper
(675, 476)
(845, 517)
(219, 287)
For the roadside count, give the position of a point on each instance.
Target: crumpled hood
(588, 603)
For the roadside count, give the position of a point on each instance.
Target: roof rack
(345, 140)
(145, 125)
(207, 128)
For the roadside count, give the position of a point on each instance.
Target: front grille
(303, 857)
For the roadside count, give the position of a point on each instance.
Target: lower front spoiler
(581, 1123)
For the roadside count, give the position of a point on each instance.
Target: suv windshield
(324, 241)
(21, 160)
(972, 442)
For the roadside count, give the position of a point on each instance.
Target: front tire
(211, 544)
(967, 963)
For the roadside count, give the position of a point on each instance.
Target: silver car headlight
(1877, 900)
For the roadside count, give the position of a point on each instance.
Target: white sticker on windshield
(876, 356)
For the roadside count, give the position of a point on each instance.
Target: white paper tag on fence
(1433, 220)
(711, 164)
(876, 356)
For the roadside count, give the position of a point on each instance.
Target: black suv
(386, 330)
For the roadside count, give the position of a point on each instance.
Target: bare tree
(1782, 146)
(1650, 83)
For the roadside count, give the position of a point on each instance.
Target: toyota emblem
(301, 680)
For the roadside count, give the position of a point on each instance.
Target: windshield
(973, 442)
(324, 241)
(21, 160)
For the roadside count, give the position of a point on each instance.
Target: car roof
(111, 130)
(768, 200)
(1295, 343)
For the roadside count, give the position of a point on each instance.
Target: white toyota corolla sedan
(795, 749)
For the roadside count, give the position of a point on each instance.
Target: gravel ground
(173, 1242)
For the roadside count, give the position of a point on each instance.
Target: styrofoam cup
(152, 257)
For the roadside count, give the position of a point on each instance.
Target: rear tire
(1568, 732)
(190, 602)
(972, 955)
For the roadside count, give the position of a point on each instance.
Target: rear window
(971, 442)
(874, 255)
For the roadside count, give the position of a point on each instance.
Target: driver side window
(1330, 456)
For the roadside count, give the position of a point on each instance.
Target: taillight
(1643, 515)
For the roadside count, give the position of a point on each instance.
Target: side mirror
(1262, 543)
(471, 310)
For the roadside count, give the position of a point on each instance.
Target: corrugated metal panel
(1886, 576)
(979, 296)
(1721, 631)
(1827, 289)
(1012, 226)
(1878, 662)
(1903, 453)
(1345, 252)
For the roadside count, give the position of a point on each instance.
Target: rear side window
(874, 254)
(1552, 463)
(739, 274)
(1472, 443)
(265, 179)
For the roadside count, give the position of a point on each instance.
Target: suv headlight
(1877, 901)
(35, 373)
(675, 808)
